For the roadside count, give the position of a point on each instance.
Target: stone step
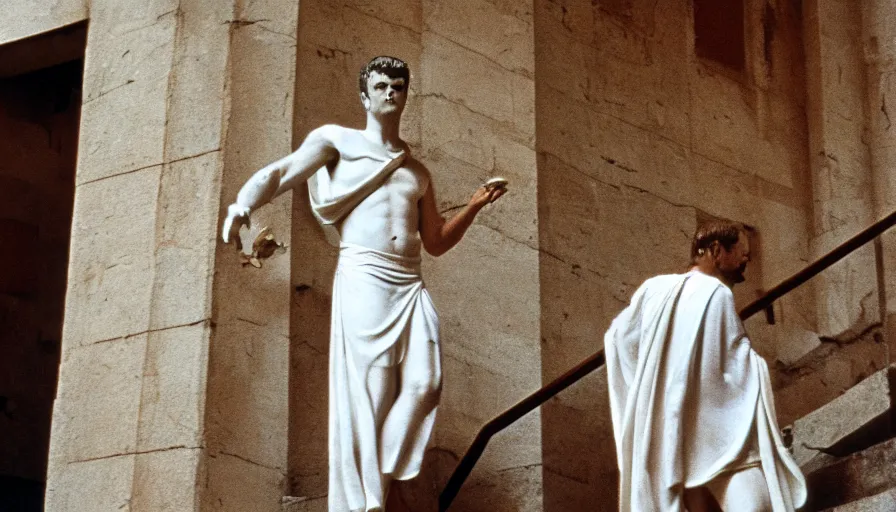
(855, 420)
(883, 502)
(854, 478)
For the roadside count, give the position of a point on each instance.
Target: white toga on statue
(691, 401)
(377, 204)
(383, 324)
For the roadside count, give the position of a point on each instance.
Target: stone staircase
(846, 450)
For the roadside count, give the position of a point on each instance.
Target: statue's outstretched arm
(276, 178)
(439, 235)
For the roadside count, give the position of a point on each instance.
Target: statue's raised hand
(237, 217)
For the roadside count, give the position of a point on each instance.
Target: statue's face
(385, 95)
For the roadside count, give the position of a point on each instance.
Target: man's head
(383, 85)
(722, 248)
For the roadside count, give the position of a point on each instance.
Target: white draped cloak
(689, 397)
(380, 307)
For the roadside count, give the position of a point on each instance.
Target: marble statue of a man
(379, 203)
(692, 405)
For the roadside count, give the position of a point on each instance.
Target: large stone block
(501, 32)
(260, 488)
(166, 481)
(33, 17)
(126, 78)
(834, 422)
(110, 269)
(196, 105)
(98, 401)
(486, 88)
(174, 387)
(186, 234)
(91, 486)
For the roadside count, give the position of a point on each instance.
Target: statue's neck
(384, 131)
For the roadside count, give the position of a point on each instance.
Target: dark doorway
(40, 105)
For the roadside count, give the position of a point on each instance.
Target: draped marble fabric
(689, 398)
(381, 312)
(329, 204)
(382, 316)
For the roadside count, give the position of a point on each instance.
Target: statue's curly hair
(390, 66)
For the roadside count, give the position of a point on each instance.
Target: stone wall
(26, 18)
(470, 117)
(638, 139)
(172, 390)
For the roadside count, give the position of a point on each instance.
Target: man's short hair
(725, 232)
(390, 66)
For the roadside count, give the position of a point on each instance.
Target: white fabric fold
(330, 204)
(689, 397)
(380, 308)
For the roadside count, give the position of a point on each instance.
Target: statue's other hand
(237, 217)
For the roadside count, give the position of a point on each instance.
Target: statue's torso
(388, 219)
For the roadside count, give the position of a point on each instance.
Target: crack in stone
(661, 198)
(441, 96)
(524, 466)
(161, 329)
(149, 167)
(266, 29)
(387, 22)
(250, 461)
(516, 71)
(883, 108)
(140, 452)
(103, 93)
(250, 321)
(243, 23)
(616, 163)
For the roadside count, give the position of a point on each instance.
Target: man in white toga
(378, 203)
(692, 405)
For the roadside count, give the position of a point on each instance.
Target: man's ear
(715, 249)
(365, 100)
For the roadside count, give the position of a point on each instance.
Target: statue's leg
(418, 393)
(382, 386)
(744, 490)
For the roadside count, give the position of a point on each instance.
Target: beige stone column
(879, 36)
(839, 163)
(173, 383)
(477, 92)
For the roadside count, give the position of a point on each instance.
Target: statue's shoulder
(335, 134)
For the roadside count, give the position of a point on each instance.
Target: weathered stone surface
(35, 16)
(883, 501)
(92, 486)
(259, 487)
(173, 390)
(195, 108)
(839, 161)
(166, 480)
(186, 232)
(126, 79)
(98, 401)
(854, 409)
(110, 271)
(853, 478)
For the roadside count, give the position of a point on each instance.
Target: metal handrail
(596, 360)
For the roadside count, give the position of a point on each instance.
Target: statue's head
(724, 245)
(383, 84)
